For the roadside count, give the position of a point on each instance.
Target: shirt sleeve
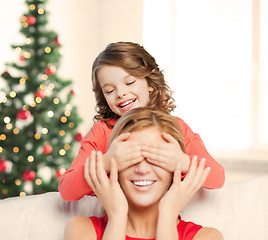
(72, 185)
(196, 147)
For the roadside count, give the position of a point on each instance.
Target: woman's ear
(151, 89)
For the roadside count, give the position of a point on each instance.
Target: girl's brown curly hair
(136, 61)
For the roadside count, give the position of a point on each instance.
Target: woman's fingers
(177, 174)
(197, 174)
(100, 171)
(192, 170)
(113, 172)
(95, 164)
(88, 172)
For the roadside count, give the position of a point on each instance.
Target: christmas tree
(38, 124)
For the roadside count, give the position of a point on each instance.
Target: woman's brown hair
(143, 117)
(136, 61)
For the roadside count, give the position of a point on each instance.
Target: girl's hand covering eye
(106, 189)
(166, 155)
(181, 191)
(125, 153)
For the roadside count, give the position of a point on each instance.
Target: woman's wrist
(166, 227)
(167, 215)
(115, 215)
(116, 228)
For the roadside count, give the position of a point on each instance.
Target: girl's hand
(166, 155)
(124, 152)
(107, 190)
(181, 191)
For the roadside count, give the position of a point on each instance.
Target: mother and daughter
(143, 201)
(125, 76)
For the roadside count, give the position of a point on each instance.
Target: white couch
(239, 210)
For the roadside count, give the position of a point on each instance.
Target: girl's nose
(121, 92)
(142, 167)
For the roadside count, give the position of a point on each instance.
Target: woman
(143, 201)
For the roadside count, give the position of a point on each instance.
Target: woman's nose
(142, 167)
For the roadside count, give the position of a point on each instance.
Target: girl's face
(121, 90)
(144, 184)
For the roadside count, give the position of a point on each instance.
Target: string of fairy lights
(24, 113)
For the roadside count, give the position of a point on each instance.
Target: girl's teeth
(126, 103)
(143, 183)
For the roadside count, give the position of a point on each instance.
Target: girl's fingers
(167, 137)
(123, 137)
(154, 149)
(131, 162)
(157, 162)
(156, 156)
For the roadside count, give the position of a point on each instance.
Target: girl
(126, 76)
(143, 201)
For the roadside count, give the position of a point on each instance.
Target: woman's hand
(126, 153)
(107, 190)
(181, 191)
(166, 155)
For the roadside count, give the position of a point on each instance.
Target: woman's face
(144, 184)
(121, 90)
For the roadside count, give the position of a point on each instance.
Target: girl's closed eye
(108, 91)
(131, 82)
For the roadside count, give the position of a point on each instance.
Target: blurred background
(214, 55)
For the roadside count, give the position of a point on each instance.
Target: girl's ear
(151, 89)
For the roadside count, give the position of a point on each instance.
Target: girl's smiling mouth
(126, 103)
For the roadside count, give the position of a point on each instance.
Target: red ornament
(47, 149)
(78, 137)
(3, 165)
(31, 20)
(28, 175)
(57, 42)
(60, 172)
(51, 70)
(5, 75)
(22, 58)
(23, 114)
(74, 91)
(40, 93)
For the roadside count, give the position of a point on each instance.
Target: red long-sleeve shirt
(73, 186)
